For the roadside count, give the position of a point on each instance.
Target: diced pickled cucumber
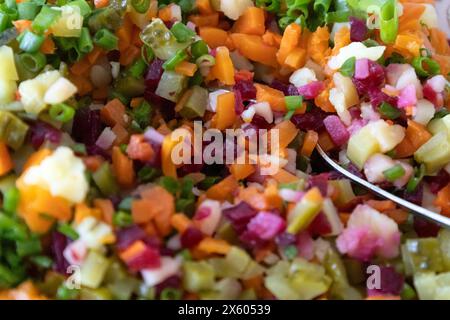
(105, 180)
(12, 129)
(308, 288)
(280, 286)
(225, 289)
(171, 85)
(130, 86)
(252, 270)
(440, 125)
(94, 269)
(444, 240)
(361, 146)
(227, 233)
(335, 268)
(303, 214)
(95, 294)
(7, 183)
(7, 65)
(345, 193)
(355, 271)
(196, 104)
(198, 276)
(435, 153)
(420, 255)
(123, 289)
(345, 293)
(161, 40)
(237, 259)
(425, 284)
(248, 294)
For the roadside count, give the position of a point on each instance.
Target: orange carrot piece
(36, 158)
(82, 211)
(415, 136)
(214, 37)
(48, 46)
(273, 96)
(224, 189)
(282, 176)
(186, 68)
(290, 40)
(443, 200)
(129, 55)
(163, 206)
(141, 210)
(107, 209)
(211, 245)
(309, 143)
(381, 205)
(253, 48)
(241, 171)
(341, 39)
(81, 67)
(204, 6)
(96, 53)
(225, 112)
(113, 113)
(133, 250)
(6, 163)
(101, 3)
(100, 93)
(252, 21)
(398, 215)
(318, 45)
(223, 70)
(271, 39)
(92, 163)
(123, 168)
(408, 44)
(22, 25)
(205, 20)
(286, 133)
(180, 222)
(296, 58)
(439, 41)
(167, 165)
(124, 34)
(165, 14)
(136, 102)
(121, 134)
(322, 100)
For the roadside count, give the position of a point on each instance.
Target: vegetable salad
(94, 207)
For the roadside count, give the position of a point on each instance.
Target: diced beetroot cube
(311, 90)
(336, 129)
(191, 237)
(147, 259)
(266, 225)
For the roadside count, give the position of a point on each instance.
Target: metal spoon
(415, 209)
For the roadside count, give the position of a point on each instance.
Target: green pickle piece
(198, 276)
(420, 255)
(95, 294)
(196, 104)
(12, 130)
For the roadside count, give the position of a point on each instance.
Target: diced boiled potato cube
(346, 85)
(32, 91)
(361, 146)
(388, 136)
(424, 112)
(429, 16)
(171, 85)
(425, 284)
(7, 90)
(234, 9)
(59, 91)
(7, 66)
(440, 125)
(435, 153)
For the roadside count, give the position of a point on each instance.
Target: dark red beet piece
(425, 228)
(374, 80)
(246, 88)
(41, 131)
(438, 181)
(154, 74)
(239, 215)
(191, 237)
(86, 126)
(149, 258)
(391, 282)
(58, 243)
(358, 29)
(126, 236)
(312, 120)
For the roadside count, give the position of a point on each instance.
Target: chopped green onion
(388, 21)
(175, 60)
(42, 261)
(185, 205)
(31, 42)
(186, 5)
(27, 10)
(125, 204)
(292, 104)
(170, 184)
(65, 44)
(33, 62)
(424, 52)
(147, 174)
(64, 293)
(11, 200)
(198, 49)
(181, 32)
(395, 58)
(85, 44)
(123, 148)
(68, 231)
(205, 60)
(85, 9)
(389, 111)
(28, 247)
(269, 5)
(208, 182)
(46, 17)
(441, 113)
(147, 54)
(11, 12)
(122, 219)
(171, 294)
(408, 292)
(61, 112)
(415, 180)
(394, 173)
(106, 39)
(142, 114)
(79, 148)
(10, 4)
(140, 6)
(4, 21)
(290, 252)
(425, 66)
(337, 16)
(138, 68)
(348, 68)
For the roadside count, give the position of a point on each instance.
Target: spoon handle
(415, 209)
